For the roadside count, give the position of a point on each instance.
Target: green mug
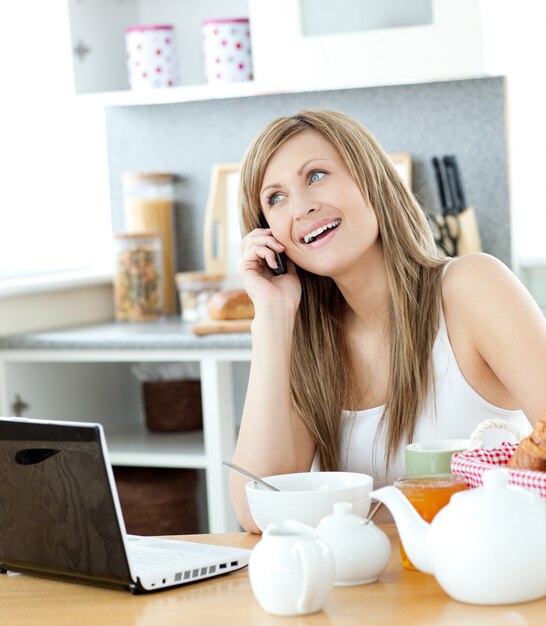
(433, 457)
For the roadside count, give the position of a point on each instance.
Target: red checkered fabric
(471, 465)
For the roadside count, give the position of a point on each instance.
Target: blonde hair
(321, 382)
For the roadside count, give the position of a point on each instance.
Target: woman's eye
(316, 176)
(274, 198)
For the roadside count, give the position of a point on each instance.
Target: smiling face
(315, 208)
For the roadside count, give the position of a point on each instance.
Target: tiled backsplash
(465, 118)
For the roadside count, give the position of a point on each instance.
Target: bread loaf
(233, 304)
(531, 451)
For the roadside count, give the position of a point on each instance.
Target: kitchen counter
(169, 333)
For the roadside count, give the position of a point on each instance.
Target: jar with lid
(138, 285)
(149, 200)
(195, 290)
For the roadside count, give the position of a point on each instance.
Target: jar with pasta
(149, 204)
(138, 280)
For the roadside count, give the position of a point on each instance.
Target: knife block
(469, 234)
(469, 238)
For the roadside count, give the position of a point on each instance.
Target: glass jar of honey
(138, 273)
(428, 493)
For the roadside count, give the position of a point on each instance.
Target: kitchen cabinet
(298, 45)
(97, 31)
(357, 43)
(83, 374)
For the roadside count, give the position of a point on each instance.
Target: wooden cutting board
(212, 327)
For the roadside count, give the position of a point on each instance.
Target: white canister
(228, 55)
(151, 57)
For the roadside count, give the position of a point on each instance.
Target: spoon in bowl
(249, 475)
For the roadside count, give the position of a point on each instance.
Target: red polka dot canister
(151, 57)
(228, 56)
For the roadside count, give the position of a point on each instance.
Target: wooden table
(399, 598)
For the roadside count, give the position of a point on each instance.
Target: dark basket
(173, 405)
(158, 501)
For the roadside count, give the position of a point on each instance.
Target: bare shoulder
(483, 298)
(497, 331)
(476, 279)
(477, 266)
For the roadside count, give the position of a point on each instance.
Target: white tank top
(459, 409)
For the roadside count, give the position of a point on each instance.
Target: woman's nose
(304, 206)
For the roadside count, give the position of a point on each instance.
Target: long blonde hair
(321, 381)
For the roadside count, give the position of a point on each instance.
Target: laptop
(60, 515)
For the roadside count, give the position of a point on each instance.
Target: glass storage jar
(149, 200)
(195, 289)
(138, 273)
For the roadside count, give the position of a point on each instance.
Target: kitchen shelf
(142, 448)
(173, 95)
(422, 53)
(202, 93)
(83, 374)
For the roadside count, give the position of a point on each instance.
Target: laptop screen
(57, 512)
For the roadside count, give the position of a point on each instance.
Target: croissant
(531, 451)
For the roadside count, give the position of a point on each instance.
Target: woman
(370, 340)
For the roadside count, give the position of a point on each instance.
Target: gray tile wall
(465, 118)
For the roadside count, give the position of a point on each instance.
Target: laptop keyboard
(189, 560)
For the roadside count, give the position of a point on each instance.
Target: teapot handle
(307, 553)
(475, 440)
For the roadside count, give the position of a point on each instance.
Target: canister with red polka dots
(228, 57)
(151, 57)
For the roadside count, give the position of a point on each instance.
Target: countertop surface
(170, 333)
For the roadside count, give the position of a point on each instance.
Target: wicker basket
(472, 464)
(158, 501)
(173, 405)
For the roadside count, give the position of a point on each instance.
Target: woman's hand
(256, 271)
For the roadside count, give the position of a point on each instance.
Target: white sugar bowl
(361, 550)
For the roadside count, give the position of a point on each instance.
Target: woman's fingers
(260, 237)
(256, 252)
(259, 244)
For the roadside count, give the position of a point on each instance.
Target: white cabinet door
(448, 44)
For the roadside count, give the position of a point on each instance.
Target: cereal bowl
(307, 497)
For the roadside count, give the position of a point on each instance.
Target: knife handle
(452, 165)
(443, 186)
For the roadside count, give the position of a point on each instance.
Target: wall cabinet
(298, 45)
(84, 375)
(98, 37)
(325, 44)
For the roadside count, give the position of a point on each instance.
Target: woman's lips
(318, 229)
(324, 238)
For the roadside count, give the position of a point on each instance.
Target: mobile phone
(280, 257)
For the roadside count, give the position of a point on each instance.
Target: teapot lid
(497, 494)
(342, 517)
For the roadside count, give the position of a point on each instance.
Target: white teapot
(361, 550)
(291, 570)
(487, 546)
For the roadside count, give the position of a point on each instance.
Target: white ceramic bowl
(307, 497)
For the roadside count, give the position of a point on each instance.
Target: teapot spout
(412, 528)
